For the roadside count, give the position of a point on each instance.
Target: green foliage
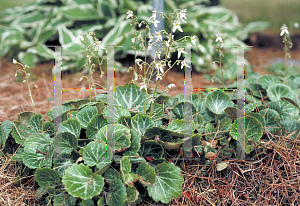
(27, 30)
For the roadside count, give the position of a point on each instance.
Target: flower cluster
(89, 51)
(154, 39)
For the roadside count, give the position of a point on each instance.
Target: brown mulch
(263, 181)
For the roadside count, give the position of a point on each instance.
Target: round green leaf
(117, 193)
(37, 159)
(271, 118)
(125, 165)
(285, 109)
(209, 128)
(86, 114)
(267, 80)
(276, 91)
(259, 117)
(5, 129)
(60, 165)
(201, 108)
(111, 174)
(218, 101)
(21, 133)
(180, 110)
(80, 181)
(135, 144)
(132, 193)
(37, 142)
(95, 153)
(113, 113)
(120, 140)
(130, 97)
(49, 127)
(64, 199)
(95, 124)
(162, 133)
(167, 184)
(181, 128)
(72, 126)
(146, 173)
(151, 148)
(24, 118)
(36, 122)
(252, 127)
(141, 122)
(46, 176)
(65, 143)
(157, 111)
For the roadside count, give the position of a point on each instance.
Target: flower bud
(36, 86)
(24, 80)
(14, 61)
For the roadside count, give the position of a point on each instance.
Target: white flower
(143, 86)
(158, 76)
(139, 36)
(159, 37)
(141, 45)
(183, 63)
(177, 26)
(193, 40)
(151, 38)
(133, 40)
(155, 22)
(14, 61)
(98, 45)
(159, 66)
(219, 37)
(284, 30)
(158, 54)
(129, 14)
(169, 63)
(80, 37)
(151, 100)
(171, 85)
(296, 24)
(137, 61)
(91, 33)
(135, 77)
(180, 50)
(182, 15)
(169, 40)
(149, 46)
(153, 14)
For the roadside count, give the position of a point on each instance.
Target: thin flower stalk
(27, 75)
(219, 39)
(286, 40)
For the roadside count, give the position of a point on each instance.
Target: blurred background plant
(27, 30)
